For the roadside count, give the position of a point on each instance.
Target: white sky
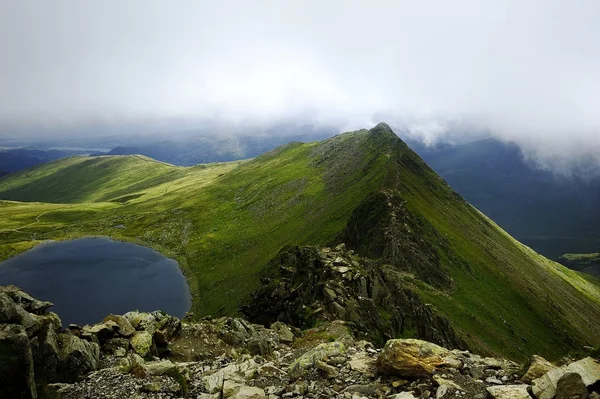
(527, 71)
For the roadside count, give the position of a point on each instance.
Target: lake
(90, 278)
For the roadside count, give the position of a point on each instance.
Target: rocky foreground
(154, 355)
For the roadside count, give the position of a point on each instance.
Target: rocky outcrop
(227, 358)
(381, 228)
(304, 285)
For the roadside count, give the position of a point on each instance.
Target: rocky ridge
(153, 355)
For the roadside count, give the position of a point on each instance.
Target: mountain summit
(433, 266)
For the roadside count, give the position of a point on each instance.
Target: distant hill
(586, 263)
(12, 160)
(215, 148)
(231, 226)
(552, 214)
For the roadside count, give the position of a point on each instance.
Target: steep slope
(224, 223)
(553, 214)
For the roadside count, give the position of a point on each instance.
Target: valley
(224, 223)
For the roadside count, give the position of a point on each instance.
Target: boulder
(414, 358)
(167, 328)
(284, 333)
(26, 301)
(316, 357)
(234, 373)
(46, 354)
(16, 363)
(537, 368)
(78, 357)
(509, 392)
(141, 321)
(8, 309)
(141, 342)
(246, 392)
(124, 327)
(545, 386)
(571, 386)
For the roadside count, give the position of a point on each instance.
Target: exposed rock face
(382, 228)
(308, 284)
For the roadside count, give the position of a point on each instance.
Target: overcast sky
(527, 71)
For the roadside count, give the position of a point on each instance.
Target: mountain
(202, 148)
(422, 251)
(12, 160)
(585, 263)
(553, 214)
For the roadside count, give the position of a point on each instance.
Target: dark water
(89, 278)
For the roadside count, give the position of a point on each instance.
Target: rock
(403, 395)
(509, 392)
(101, 331)
(116, 345)
(414, 358)
(545, 386)
(141, 342)
(363, 363)
(493, 381)
(284, 333)
(318, 354)
(77, 357)
(259, 345)
(8, 309)
(537, 368)
(167, 328)
(25, 301)
(124, 327)
(141, 321)
(160, 367)
(246, 392)
(16, 363)
(571, 386)
(152, 387)
(441, 391)
(234, 373)
(46, 354)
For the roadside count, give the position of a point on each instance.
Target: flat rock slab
(509, 392)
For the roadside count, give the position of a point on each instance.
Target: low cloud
(521, 71)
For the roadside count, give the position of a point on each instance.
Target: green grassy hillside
(224, 222)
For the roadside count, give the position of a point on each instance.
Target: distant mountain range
(551, 213)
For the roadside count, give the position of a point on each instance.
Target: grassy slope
(223, 222)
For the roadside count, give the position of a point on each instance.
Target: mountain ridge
(224, 223)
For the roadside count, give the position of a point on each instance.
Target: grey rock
(77, 357)
(571, 386)
(16, 363)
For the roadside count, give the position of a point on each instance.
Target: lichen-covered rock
(46, 354)
(537, 368)
(124, 327)
(509, 392)
(141, 342)
(545, 386)
(414, 358)
(316, 357)
(78, 357)
(284, 333)
(571, 386)
(141, 321)
(16, 363)
(246, 392)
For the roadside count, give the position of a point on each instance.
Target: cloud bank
(524, 71)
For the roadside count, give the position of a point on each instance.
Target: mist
(520, 71)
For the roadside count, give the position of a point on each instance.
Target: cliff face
(309, 284)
